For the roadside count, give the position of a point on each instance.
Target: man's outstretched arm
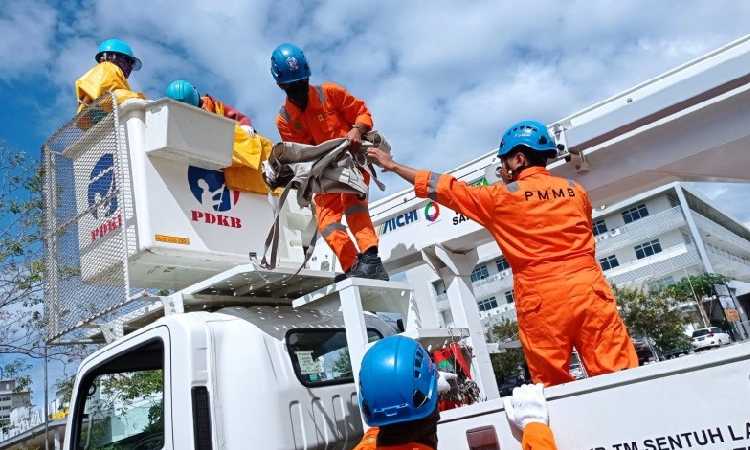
(478, 203)
(384, 160)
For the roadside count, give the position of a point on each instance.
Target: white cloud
(730, 198)
(442, 80)
(27, 29)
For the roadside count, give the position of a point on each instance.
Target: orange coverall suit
(331, 113)
(536, 436)
(543, 227)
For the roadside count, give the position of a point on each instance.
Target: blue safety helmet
(118, 46)
(288, 64)
(397, 382)
(531, 134)
(183, 91)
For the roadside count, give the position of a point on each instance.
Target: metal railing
(89, 220)
(635, 232)
(722, 234)
(672, 259)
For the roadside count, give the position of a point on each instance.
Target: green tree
(21, 262)
(509, 362)
(654, 316)
(699, 290)
(22, 319)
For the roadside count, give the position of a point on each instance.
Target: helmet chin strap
(512, 173)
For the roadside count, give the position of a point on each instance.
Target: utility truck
(148, 250)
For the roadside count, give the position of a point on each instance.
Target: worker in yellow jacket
(250, 148)
(115, 61)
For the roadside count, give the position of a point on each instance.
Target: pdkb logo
(102, 186)
(101, 196)
(209, 189)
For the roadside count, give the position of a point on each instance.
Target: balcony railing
(635, 232)
(670, 260)
(728, 264)
(717, 232)
(494, 285)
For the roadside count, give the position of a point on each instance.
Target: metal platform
(376, 295)
(436, 338)
(250, 283)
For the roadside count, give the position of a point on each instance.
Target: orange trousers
(557, 311)
(330, 208)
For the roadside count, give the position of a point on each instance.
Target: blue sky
(442, 78)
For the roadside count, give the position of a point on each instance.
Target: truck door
(122, 397)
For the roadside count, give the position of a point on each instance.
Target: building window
(633, 214)
(439, 287)
(502, 264)
(488, 304)
(509, 297)
(479, 273)
(600, 226)
(647, 249)
(609, 262)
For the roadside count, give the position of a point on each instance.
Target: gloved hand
(355, 138)
(250, 130)
(444, 381)
(268, 173)
(527, 405)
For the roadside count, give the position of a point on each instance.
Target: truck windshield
(320, 356)
(122, 408)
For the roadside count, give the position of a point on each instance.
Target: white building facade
(10, 399)
(649, 240)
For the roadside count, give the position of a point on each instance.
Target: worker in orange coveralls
(543, 226)
(315, 114)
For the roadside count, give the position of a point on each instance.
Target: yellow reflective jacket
(244, 174)
(102, 78)
(249, 151)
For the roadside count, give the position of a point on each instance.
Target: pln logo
(211, 191)
(101, 198)
(209, 188)
(292, 63)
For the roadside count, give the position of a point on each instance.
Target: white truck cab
(241, 377)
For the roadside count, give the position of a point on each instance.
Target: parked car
(704, 338)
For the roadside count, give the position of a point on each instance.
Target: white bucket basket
(183, 223)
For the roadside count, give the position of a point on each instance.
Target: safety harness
(315, 169)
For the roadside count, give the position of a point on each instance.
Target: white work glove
(527, 405)
(248, 129)
(444, 381)
(268, 171)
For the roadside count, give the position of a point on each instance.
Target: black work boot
(341, 277)
(369, 265)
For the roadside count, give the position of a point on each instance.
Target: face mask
(297, 92)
